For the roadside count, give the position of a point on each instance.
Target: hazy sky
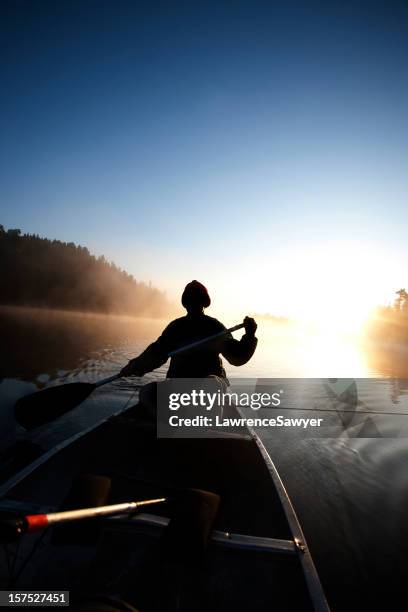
(261, 147)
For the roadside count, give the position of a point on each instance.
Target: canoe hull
(258, 567)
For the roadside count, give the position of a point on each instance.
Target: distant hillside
(40, 272)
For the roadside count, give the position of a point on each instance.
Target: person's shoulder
(175, 323)
(217, 325)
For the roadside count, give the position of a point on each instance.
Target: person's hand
(250, 326)
(131, 369)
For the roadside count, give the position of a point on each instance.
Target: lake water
(350, 490)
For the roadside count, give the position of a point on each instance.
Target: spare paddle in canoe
(13, 528)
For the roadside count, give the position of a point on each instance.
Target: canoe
(257, 557)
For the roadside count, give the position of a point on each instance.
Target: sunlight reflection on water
(292, 350)
(45, 348)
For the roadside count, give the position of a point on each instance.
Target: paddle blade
(44, 406)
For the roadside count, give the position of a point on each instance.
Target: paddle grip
(35, 522)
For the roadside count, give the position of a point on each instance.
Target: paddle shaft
(178, 351)
(37, 522)
(105, 381)
(205, 340)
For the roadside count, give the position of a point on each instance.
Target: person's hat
(195, 294)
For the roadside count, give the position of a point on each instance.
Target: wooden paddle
(44, 406)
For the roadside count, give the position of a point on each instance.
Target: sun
(332, 287)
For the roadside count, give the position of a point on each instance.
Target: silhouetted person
(195, 325)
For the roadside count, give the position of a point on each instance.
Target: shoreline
(78, 313)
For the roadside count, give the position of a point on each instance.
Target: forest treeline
(49, 273)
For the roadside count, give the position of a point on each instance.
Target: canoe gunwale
(9, 484)
(312, 579)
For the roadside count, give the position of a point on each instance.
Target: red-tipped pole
(11, 529)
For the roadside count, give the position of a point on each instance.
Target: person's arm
(153, 357)
(239, 352)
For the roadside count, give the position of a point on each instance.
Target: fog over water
(342, 487)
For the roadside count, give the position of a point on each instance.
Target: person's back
(202, 362)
